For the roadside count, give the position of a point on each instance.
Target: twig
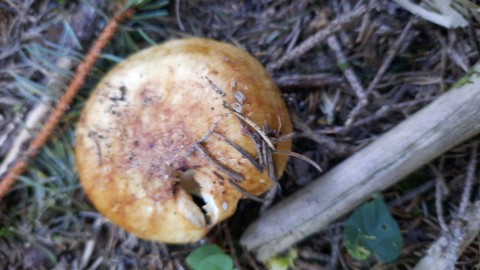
(177, 15)
(335, 236)
(348, 72)
(231, 247)
(467, 190)
(334, 26)
(415, 193)
(369, 170)
(390, 55)
(77, 82)
(307, 81)
(33, 118)
(440, 190)
(438, 255)
(379, 114)
(445, 16)
(330, 143)
(464, 227)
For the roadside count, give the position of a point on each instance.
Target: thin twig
(382, 112)
(307, 81)
(348, 72)
(387, 61)
(440, 190)
(415, 193)
(390, 55)
(333, 27)
(335, 237)
(467, 190)
(231, 247)
(77, 82)
(177, 15)
(457, 233)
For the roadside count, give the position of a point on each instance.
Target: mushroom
(172, 137)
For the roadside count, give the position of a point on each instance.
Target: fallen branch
(448, 121)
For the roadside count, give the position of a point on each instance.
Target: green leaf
(372, 229)
(215, 262)
(283, 262)
(201, 253)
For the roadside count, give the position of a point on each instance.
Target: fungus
(175, 135)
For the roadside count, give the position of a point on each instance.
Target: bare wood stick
(314, 81)
(348, 72)
(448, 121)
(333, 27)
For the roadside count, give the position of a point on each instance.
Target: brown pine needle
(77, 82)
(253, 125)
(240, 150)
(299, 156)
(244, 192)
(232, 174)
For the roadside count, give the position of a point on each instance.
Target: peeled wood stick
(451, 119)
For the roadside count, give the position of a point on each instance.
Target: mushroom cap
(148, 143)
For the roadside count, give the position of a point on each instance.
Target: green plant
(209, 257)
(371, 229)
(283, 262)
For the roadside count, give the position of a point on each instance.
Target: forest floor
(377, 68)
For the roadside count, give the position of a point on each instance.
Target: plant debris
(349, 71)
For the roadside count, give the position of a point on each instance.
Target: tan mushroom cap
(137, 140)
